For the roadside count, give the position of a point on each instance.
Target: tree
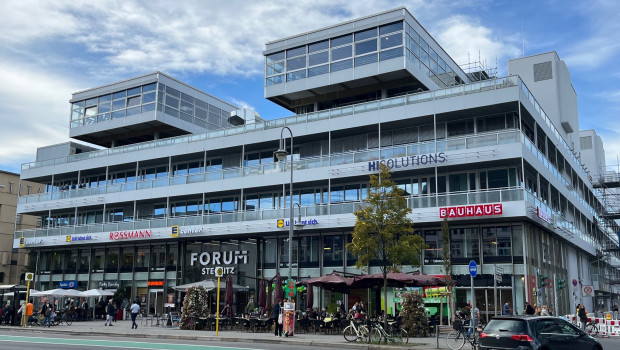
(194, 307)
(447, 261)
(414, 316)
(383, 233)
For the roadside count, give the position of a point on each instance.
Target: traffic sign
(219, 271)
(473, 268)
(587, 291)
(29, 276)
(499, 272)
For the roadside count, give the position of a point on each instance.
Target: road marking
(112, 344)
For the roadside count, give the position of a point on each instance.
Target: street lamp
(281, 154)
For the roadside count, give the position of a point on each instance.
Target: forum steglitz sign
(409, 161)
(210, 260)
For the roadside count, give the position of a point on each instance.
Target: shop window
(127, 256)
(270, 253)
(98, 260)
(309, 251)
(142, 259)
(112, 260)
(83, 261)
(71, 257)
(171, 261)
(158, 262)
(496, 244)
(433, 254)
(333, 249)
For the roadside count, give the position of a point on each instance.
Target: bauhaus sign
(471, 210)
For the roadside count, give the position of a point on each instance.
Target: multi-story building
(13, 262)
(187, 182)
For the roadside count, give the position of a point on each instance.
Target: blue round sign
(473, 268)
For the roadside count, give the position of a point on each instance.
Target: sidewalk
(123, 329)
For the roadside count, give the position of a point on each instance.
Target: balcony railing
(483, 86)
(414, 202)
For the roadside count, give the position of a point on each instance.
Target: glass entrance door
(156, 301)
(485, 301)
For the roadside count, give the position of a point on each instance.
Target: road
(13, 341)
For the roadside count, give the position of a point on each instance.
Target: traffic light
(544, 280)
(561, 284)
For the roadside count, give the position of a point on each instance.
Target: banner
(288, 319)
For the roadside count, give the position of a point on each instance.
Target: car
(534, 332)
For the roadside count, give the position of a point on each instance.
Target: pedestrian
(529, 310)
(475, 319)
(544, 311)
(507, 309)
(277, 318)
(110, 314)
(583, 317)
(249, 309)
(46, 311)
(135, 309)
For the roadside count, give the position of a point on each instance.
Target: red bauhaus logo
(471, 210)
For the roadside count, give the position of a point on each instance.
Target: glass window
(142, 259)
(84, 261)
(365, 47)
(171, 261)
(111, 260)
(296, 63)
(321, 45)
(134, 91)
(120, 94)
(461, 127)
(366, 34)
(275, 68)
(318, 70)
(458, 182)
(105, 98)
(149, 87)
(345, 39)
(497, 178)
(158, 257)
(341, 52)
(389, 28)
(127, 254)
(433, 254)
(278, 56)
(292, 76)
(118, 104)
(318, 58)
(97, 260)
(172, 102)
(296, 51)
(174, 92)
(277, 79)
(251, 202)
(391, 40)
(366, 59)
(333, 249)
(389, 54)
(104, 107)
(337, 194)
(309, 251)
(346, 64)
(133, 101)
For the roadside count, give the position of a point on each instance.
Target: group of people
(538, 310)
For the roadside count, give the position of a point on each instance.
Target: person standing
(475, 319)
(507, 309)
(277, 311)
(583, 317)
(46, 310)
(135, 309)
(529, 310)
(110, 313)
(249, 309)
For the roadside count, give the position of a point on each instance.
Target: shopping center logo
(219, 258)
(176, 230)
(79, 238)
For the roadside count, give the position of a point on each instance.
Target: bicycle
(456, 339)
(352, 332)
(396, 335)
(592, 328)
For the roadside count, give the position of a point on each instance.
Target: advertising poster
(288, 319)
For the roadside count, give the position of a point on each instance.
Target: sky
(51, 49)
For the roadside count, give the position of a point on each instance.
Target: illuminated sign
(219, 258)
(79, 238)
(67, 284)
(32, 241)
(410, 161)
(543, 214)
(119, 235)
(155, 283)
(175, 231)
(281, 223)
(471, 210)
(108, 284)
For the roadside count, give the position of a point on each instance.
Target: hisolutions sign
(471, 210)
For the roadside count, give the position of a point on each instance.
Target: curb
(55, 331)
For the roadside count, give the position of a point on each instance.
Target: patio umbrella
(58, 292)
(397, 279)
(279, 293)
(210, 285)
(333, 282)
(96, 293)
(309, 297)
(262, 297)
(228, 299)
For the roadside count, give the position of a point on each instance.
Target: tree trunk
(385, 309)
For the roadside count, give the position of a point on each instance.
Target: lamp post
(281, 154)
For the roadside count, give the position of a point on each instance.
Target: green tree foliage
(119, 295)
(383, 233)
(414, 318)
(195, 305)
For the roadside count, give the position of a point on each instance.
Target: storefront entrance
(485, 301)
(156, 301)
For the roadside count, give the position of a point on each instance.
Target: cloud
(33, 112)
(468, 41)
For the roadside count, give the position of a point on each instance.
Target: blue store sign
(67, 284)
(473, 268)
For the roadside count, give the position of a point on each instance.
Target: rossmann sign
(471, 210)
(120, 235)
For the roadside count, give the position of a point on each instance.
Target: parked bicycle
(395, 335)
(457, 338)
(592, 328)
(356, 331)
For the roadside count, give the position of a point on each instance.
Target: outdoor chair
(243, 325)
(302, 325)
(318, 325)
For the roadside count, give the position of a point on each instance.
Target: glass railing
(445, 145)
(491, 84)
(414, 202)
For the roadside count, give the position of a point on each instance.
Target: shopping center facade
(186, 182)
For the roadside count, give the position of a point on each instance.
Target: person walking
(110, 314)
(507, 309)
(277, 311)
(135, 309)
(475, 319)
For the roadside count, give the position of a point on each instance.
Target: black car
(534, 332)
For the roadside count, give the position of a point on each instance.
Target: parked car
(536, 333)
